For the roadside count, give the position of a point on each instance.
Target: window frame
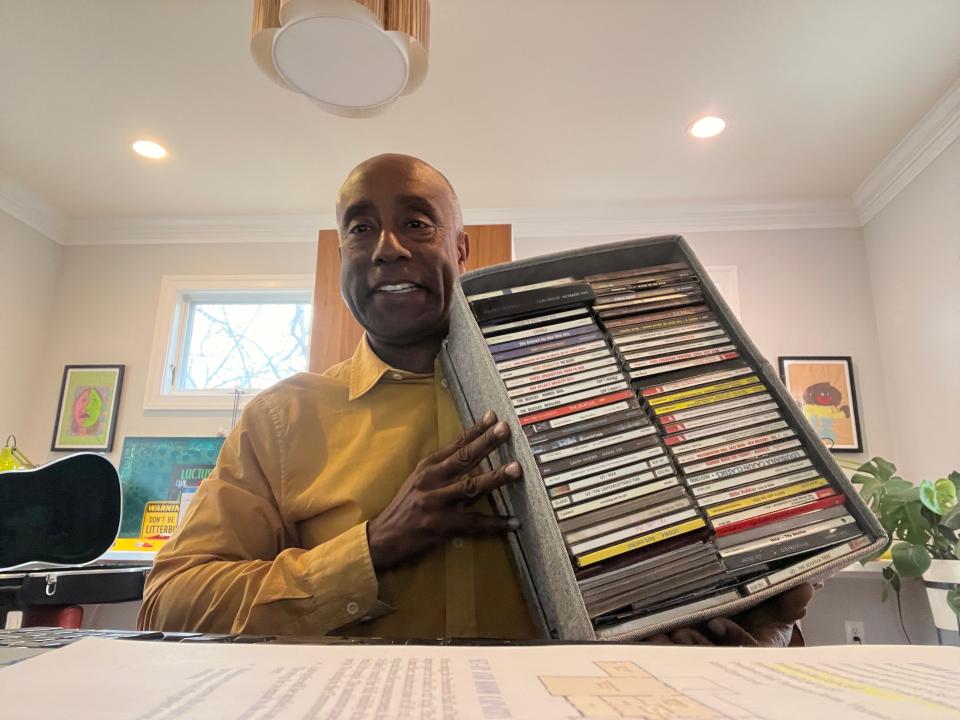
(177, 292)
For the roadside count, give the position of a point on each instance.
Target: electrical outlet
(855, 633)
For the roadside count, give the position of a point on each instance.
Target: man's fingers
(660, 639)
(689, 636)
(465, 438)
(724, 631)
(790, 606)
(470, 487)
(481, 524)
(468, 456)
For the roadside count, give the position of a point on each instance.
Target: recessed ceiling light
(149, 149)
(707, 127)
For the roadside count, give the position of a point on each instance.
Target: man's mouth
(397, 288)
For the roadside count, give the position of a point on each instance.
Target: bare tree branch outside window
(248, 346)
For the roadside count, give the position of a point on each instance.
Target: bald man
(350, 502)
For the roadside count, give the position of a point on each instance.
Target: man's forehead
(393, 182)
(395, 177)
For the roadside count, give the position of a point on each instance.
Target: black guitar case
(66, 512)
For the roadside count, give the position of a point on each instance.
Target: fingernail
(501, 429)
(513, 469)
(717, 628)
(513, 523)
(489, 416)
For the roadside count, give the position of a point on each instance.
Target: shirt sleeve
(234, 565)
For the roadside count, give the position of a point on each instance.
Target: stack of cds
(676, 482)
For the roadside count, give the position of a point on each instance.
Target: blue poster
(159, 468)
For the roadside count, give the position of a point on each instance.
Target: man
(350, 502)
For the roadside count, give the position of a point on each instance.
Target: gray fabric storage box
(538, 548)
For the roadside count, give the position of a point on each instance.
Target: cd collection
(676, 481)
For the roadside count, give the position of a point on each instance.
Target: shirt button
(458, 543)
(397, 376)
(443, 381)
(353, 608)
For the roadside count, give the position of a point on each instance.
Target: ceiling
(532, 103)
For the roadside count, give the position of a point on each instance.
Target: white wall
(115, 323)
(29, 268)
(913, 249)
(802, 292)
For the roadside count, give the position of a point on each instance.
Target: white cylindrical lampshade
(360, 10)
(345, 62)
(266, 20)
(352, 58)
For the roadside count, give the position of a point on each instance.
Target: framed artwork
(823, 388)
(87, 410)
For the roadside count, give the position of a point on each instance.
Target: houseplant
(922, 522)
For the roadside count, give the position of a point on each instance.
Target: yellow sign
(159, 519)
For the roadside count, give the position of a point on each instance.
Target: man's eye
(359, 229)
(419, 229)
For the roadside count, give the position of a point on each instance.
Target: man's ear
(463, 251)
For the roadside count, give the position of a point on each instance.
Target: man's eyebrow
(360, 207)
(418, 202)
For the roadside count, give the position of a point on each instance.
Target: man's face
(402, 249)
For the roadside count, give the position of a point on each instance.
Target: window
(217, 337)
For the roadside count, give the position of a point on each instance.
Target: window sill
(189, 403)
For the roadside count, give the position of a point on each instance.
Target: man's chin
(401, 333)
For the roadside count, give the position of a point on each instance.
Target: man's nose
(389, 248)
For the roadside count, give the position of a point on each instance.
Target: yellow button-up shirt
(275, 541)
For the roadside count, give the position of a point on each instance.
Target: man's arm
(234, 566)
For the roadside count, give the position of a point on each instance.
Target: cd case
(668, 476)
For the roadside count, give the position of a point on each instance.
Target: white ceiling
(546, 103)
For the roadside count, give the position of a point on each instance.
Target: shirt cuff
(341, 576)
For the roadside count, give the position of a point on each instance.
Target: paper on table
(153, 681)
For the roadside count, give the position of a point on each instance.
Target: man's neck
(417, 357)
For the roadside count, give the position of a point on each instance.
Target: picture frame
(824, 389)
(87, 409)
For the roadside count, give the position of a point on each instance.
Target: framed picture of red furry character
(823, 388)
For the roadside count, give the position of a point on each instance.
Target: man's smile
(398, 288)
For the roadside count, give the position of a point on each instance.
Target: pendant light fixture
(351, 57)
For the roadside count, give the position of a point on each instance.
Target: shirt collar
(367, 369)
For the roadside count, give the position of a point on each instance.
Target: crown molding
(935, 132)
(527, 223)
(27, 207)
(669, 218)
(197, 229)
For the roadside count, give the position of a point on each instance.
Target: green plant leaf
(956, 550)
(900, 489)
(954, 477)
(929, 498)
(910, 560)
(953, 600)
(917, 526)
(891, 576)
(885, 469)
(946, 494)
(869, 467)
(952, 519)
(863, 479)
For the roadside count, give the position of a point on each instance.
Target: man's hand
(769, 624)
(431, 505)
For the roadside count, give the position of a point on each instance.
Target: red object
(827, 502)
(62, 616)
(576, 407)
